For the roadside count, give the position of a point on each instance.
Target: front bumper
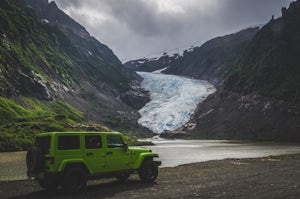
(157, 163)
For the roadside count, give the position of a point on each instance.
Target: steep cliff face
(260, 97)
(104, 65)
(271, 65)
(53, 74)
(212, 61)
(230, 115)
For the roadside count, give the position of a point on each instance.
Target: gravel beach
(267, 177)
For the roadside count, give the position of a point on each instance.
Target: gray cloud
(137, 28)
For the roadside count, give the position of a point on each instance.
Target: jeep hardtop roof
(76, 133)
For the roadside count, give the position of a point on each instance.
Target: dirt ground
(269, 177)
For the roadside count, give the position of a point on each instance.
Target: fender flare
(79, 162)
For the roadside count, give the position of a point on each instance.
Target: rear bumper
(39, 175)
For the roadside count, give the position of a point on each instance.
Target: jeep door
(94, 153)
(117, 156)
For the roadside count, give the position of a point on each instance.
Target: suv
(68, 159)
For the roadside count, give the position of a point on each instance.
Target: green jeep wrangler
(68, 159)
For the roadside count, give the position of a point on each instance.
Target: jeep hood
(139, 150)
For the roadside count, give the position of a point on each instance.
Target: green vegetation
(19, 124)
(28, 45)
(35, 59)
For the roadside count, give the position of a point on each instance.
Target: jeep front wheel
(74, 180)
(148, 171)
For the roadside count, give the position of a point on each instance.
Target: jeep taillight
(51, 160)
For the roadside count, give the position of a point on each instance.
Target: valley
(55, 76)
(223, 116)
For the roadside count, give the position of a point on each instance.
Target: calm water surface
(178, 152)
(172, 153)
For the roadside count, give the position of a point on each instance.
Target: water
(173, 100)
(178, 152)
(172, 153)
(13, 166)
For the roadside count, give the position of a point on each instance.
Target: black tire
(48, 184)
(74, 180)
(148, 172)
(123, 177)
(34, 160)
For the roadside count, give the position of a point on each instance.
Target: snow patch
(159, 71)
(190, 49)
(141, 61)
(154, 59)
(45, 21)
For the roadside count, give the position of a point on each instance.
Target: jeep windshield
(43, 143)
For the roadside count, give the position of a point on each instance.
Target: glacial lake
(178, 152)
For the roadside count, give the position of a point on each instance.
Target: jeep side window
(114, 141)
(93, 142)
(68, 142)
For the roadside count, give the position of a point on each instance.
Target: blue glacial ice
(173, 100)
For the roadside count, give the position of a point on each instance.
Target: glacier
(173, 100)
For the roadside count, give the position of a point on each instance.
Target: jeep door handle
(109, 153)
(90, 153)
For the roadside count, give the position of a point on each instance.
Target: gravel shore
(268, 177)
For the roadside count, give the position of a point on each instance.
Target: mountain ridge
(210, 61)
(56, 80)
(258, 80)
(259, 98)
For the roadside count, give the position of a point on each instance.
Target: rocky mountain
(257, 72)
(54, 76)
(211, 61)
(152, 64)
(51, 14)
(260, 96)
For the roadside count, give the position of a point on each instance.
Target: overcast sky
(145, 28)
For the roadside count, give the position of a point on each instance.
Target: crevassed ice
(173, 100)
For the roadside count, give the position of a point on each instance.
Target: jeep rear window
(43, 143)
(68, 142)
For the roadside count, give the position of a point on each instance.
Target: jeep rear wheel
(123, 177)
(48, 184)
(148, 171)
(74, 180)
(34, 160)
